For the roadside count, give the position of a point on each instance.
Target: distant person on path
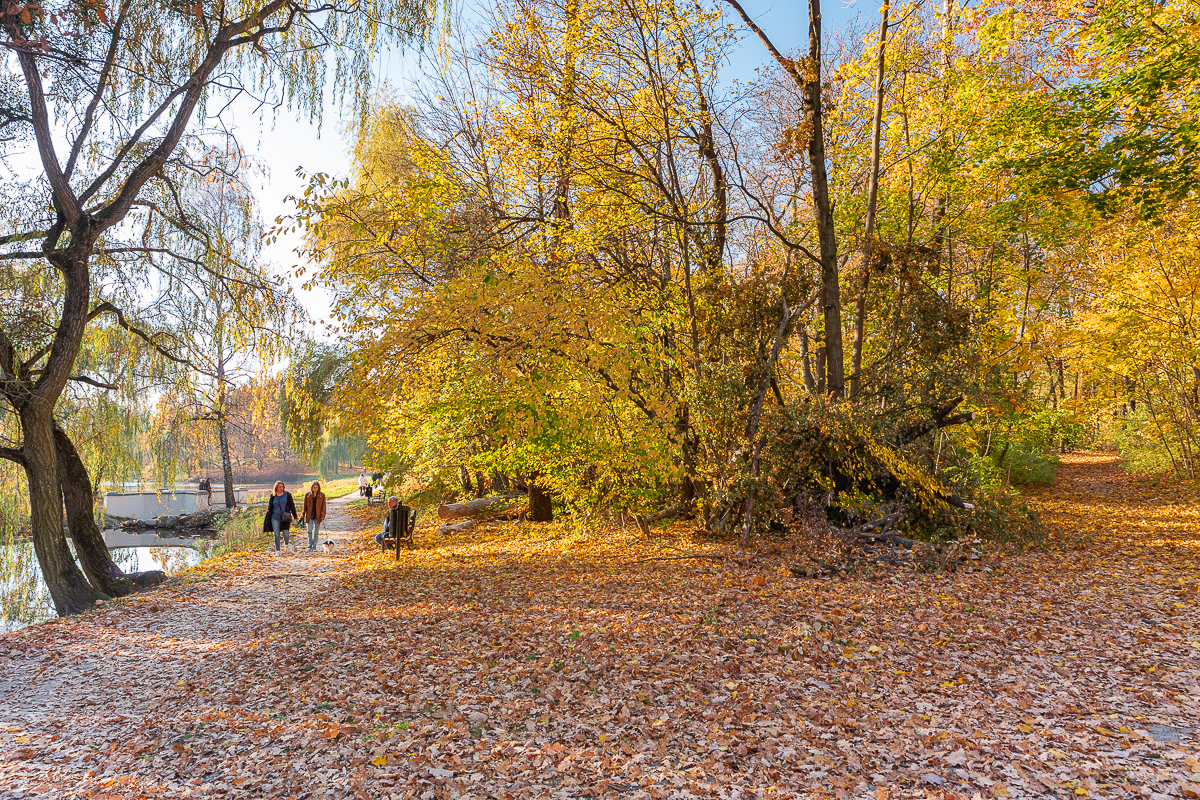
(206, 487)
(281, 510)
(314, 514)
(364, 486)
(392, 502)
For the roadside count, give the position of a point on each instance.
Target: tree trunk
(830, 353)
(223, 427)
(69, 589)
(755, 416)
(226, 464)
(831, 298)
(541, 509)
(860, 303)
(688, 446)
(76, 230)
(561, 210)
(90, 549)
(806, 371)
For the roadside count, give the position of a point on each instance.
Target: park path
(138, 660)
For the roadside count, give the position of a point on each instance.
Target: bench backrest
(402, 520)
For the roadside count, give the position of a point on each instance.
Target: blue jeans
(277, 526)
(314, 530)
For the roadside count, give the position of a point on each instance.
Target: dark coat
(291, 509)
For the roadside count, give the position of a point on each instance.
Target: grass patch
(338, 487)
(242, 531)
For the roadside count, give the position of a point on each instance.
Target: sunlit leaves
(1123, 129)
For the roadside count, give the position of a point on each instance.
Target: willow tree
(108, 96)
(226, 310)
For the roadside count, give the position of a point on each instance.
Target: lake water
(24, 599)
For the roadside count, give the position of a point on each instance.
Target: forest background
(889, 275)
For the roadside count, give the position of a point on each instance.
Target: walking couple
(281, 510)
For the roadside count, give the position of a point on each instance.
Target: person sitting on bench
(392, 502)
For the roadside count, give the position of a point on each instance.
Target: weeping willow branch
(149, 338)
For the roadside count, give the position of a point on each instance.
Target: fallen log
(666, 513)
(957, 502)
(469, 508)
(200, 519)
(454, 527)
(884, 523)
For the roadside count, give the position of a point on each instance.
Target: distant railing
(151, 504)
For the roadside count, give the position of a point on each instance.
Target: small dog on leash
(329, 544)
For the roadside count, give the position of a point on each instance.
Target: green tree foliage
(591, 268)
(108, 96)
(1121, 128)
(307, 403)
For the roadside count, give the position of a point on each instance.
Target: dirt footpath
(72, 692)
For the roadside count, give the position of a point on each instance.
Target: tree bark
(755, 415)
(831, 353)
(687, 449)
(541, 509)
(90, 549)
(226, 464)
(561, 211)
(806, 372)
(68, 246)
(69, 589)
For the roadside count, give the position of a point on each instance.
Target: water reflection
(24, 598)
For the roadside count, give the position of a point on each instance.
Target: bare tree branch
(94, 382)
(109, 308)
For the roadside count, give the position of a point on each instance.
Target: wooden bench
(400, 519)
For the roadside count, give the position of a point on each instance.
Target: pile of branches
(879, 544)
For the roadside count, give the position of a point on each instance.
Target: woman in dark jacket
(281, 510)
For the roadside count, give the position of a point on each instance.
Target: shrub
(1141, 445)
(242, 531)
(1000, 517)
